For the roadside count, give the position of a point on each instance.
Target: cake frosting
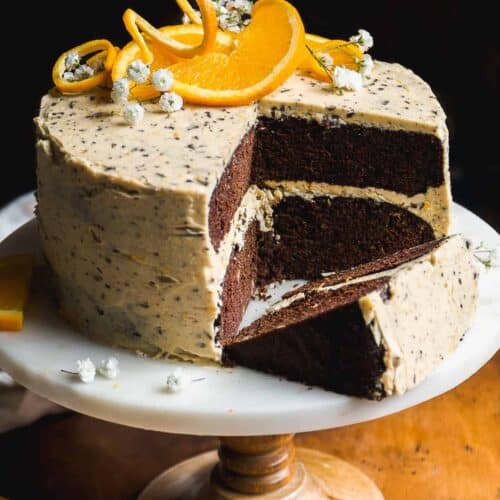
(124, 211)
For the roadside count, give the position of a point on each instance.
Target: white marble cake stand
(230, 402)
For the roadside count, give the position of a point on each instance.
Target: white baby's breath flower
(185, 19)
(230, 22)
(133, 113)
(83, 72)
(177, 381)
(366, 65)
(344, 78)
(488, 255)
(170, 102)
(85, 370)
(363, 39)
(326, 60)
(162, 80)
(69, 76)
(120, 91)
(109, 368)
(138, 71)
(242, 6)
(72, 61)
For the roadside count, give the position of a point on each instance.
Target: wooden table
(445, 449)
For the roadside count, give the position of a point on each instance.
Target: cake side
(375, 334)
(123, 214)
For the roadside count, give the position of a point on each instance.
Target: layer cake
(158, 234)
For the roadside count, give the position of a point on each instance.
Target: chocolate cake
(370, 331)
(158, 234)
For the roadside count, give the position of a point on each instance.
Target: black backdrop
(451, 44)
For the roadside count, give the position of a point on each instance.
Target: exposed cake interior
(312, 229)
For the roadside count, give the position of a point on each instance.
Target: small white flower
(242, 6)
(138, 72)
(85, 370)
(185, 19)
(366, 65)
(162, 80)
(220, 10)
(170, 102)
(83, 72)
(72, 61)
(347, 79)
(363, 39)
(326, 60)
(69, 76)
(177, 381)
(109, 368)
(120, 91)
(133, 113)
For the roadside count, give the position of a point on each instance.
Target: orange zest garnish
(135, 24)
(267, 53)
(94, 46)
(186, 7)
(342, 52)
(15, 276)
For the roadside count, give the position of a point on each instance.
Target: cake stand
(254, 414)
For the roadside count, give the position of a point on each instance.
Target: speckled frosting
(123, 210)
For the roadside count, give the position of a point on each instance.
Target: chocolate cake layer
(350, 155)
(385, 263)
(321, 340)
(230, 190)
(238, 286)
(333, 234)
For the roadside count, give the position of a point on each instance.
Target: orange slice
(189, 34)
(135, 23)
(94, 46)
(267, 52)
(342, 52)
(15, 275)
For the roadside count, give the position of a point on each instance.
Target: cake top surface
(188, 150)
(394, 97)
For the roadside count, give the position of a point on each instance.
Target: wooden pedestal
(263, 467)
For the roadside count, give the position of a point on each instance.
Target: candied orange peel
(15, 276)
(186, 7)
(94, 46)
(135, 24)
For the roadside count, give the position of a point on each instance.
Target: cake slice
(374, 330)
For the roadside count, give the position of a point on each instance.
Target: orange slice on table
(15, 276)
(267, 52)
(342, 52)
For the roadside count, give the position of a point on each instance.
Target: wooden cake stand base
(262, 467)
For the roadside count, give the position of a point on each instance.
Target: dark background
(453, 45)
